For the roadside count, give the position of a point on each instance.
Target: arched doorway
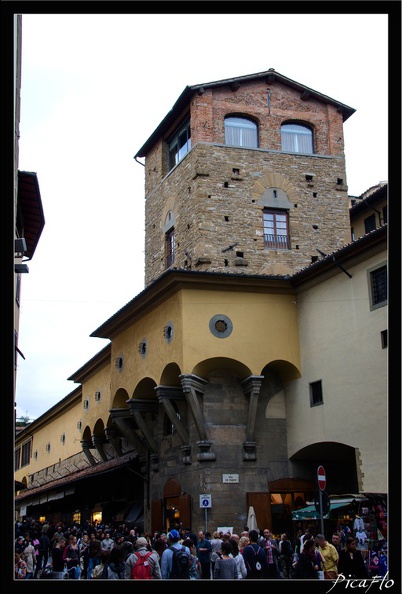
(174, 510)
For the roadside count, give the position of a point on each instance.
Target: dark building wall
(225, 410)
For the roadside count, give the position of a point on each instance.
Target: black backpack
(181, 564)
(254, 564)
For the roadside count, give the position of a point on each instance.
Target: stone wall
(214, 194)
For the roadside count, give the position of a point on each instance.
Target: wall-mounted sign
(230, 478)
(206, 500)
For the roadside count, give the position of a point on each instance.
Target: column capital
(193, 382)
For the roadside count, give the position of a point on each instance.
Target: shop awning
(310, 513)
(136, 513)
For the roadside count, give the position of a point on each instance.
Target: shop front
(363, 516)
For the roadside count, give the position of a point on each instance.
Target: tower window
(276, 229)
(179, 145)
(169, 248)
(241, 132)
(297, 139)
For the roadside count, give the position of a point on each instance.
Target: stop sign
(321, 477)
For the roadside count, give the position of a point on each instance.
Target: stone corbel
(98, 441)
(119, 416)
(154, 462)
(205, 453)
(86, 447)
(193, 386)
(137, 407)
(186, 454)
(165, 395)
(251, 388)
(111, 436)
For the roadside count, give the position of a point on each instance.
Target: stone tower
(246, 175)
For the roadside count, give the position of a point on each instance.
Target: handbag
(320, 574)
(97, 571)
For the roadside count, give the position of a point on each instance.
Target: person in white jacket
(238, 557)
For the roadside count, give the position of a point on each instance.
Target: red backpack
(141, 570)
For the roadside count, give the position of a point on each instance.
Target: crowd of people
(117, 552)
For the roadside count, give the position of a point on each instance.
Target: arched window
(169, 239)
(297, 138)
(241, 132)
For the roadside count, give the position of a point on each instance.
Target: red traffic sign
(321, 477)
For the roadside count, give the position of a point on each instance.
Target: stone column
(192, 387)
(165, 396)
(251, 388)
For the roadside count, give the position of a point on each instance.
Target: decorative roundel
(119, 361)
(143, 347)
(220, 326)
(168, 332)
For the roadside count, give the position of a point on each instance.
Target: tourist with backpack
(176, 559)
(255, 558)
(143, 564)
(195, 569)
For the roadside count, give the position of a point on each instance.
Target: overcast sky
(94, 88)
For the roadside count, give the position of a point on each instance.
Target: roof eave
(31, 210)
(271, 75)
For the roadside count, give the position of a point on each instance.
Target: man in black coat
(255, 558)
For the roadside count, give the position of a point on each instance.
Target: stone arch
(169, 220)
(172, 488)
(145, 389)
(120, 399)
(170, 375)
(206, 367)
(273, 179)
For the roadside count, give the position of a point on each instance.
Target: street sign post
(324, 506)
(206, 502)
(322, 481)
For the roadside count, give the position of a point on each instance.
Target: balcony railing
(276, 242)
(169, 260)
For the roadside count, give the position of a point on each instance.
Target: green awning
(310, 513)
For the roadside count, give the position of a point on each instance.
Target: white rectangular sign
(230, 478)
(206, 500)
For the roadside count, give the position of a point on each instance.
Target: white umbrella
(251, 519)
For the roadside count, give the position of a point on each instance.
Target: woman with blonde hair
(216, 544)
(243, 542)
